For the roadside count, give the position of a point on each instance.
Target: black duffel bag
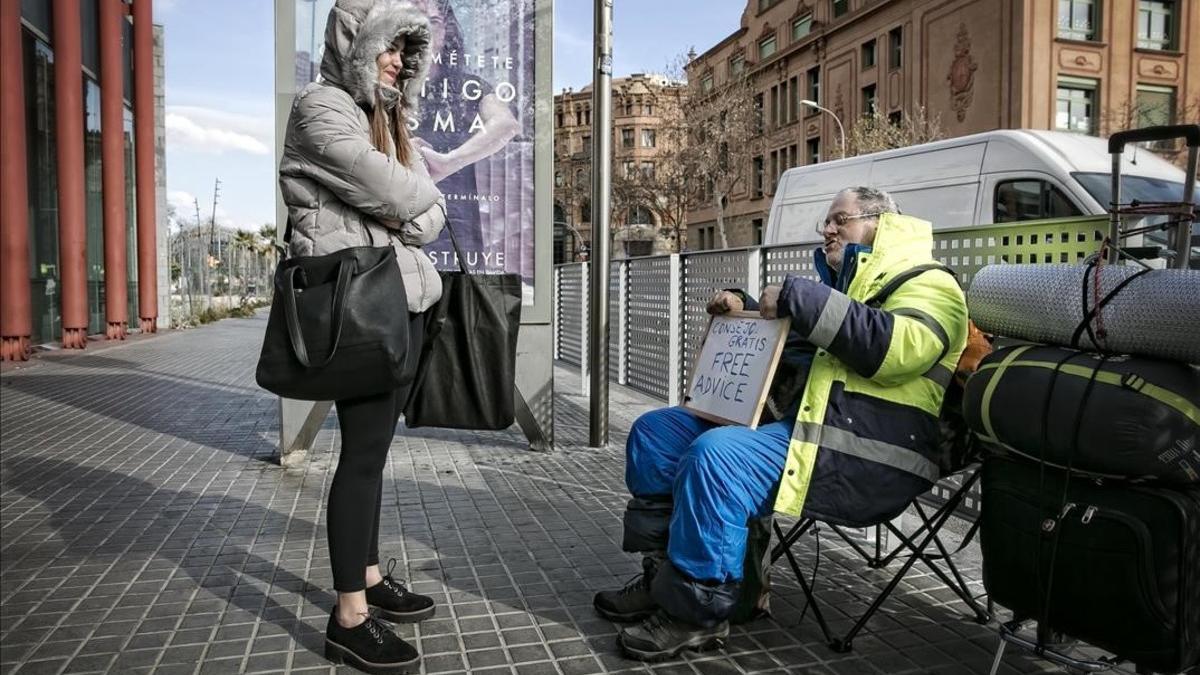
(338, 326)
(465, 379)
(1117, 417)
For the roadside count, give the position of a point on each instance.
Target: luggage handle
(296, 333)
(1191, 132)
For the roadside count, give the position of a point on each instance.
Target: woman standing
(350, 177)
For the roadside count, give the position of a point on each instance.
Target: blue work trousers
(718, 477)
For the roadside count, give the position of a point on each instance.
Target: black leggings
(368, 424)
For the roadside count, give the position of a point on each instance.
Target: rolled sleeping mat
(1120, 417)
(1148, 312)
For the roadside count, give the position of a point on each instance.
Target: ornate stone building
(642, 106)
(1089, 66)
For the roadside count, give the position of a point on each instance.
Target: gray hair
(871, 200)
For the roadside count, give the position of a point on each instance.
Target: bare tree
(723, 131)
(875, 132)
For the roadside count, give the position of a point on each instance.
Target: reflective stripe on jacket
(866, 433)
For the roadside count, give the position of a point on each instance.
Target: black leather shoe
(661, 637)
(394, 602)
(631, 603)
(370, 647)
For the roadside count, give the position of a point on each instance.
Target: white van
(993, 177)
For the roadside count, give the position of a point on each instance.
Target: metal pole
(601, 189)
(827, 111)
(1183, 231)
(1114, 217)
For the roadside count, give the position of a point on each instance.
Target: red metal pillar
(112, 145)
(147, 183)
(72, 219)
(16, 320)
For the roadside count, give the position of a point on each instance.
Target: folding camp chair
(927, 534)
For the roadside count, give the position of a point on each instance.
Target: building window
(1076, 106)
(628, 107)
(814, 150)
(627, 138)
(896, 48)
(41, 145)
(585, 211)
(558, 179)
(737, 65)
(801, 27)
(648, 138)
(766, 48)
(630, 169)
(93, 206)
(840, 7)
(814, 88)
(868, 54)
(578, 116)
(758, 113)
(1156, 24)
(757, 225)
(757, 177)
(896, 118)
(1018, 200)
(1077, 19)
(869, 101)
(648, 109)
(131, 258)
(585, 143)
(640, 215)
(648, 170)
(1156, 107)
(793, 99)
(706, 84)
(764, 5)
(559, 119)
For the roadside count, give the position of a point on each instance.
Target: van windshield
(1143, 189)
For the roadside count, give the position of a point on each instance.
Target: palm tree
(243, 240)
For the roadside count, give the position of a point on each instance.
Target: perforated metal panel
(616, 334)
(967, 250)
(649, 325)
(572, 308)
(703, 275)
(780, 261)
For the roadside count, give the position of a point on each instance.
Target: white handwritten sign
(732, 374)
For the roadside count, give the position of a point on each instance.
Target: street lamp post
(841, 129)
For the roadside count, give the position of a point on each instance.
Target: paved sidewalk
(146, 528)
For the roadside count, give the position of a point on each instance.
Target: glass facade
(1156, 24)
(93, 205)
(42, 167)
(41, 148)
(131, 258)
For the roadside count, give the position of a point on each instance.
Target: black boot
(631, 603)
(396, 603)
(370, 647)
(661, 637)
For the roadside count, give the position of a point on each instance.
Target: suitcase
(1126, 573)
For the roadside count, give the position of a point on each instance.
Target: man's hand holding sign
(737, 360)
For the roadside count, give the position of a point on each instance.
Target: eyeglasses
(840, 219)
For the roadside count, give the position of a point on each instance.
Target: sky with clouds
(219, 71)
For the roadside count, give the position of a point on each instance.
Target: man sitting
(854, 436)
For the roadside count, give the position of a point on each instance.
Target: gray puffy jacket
(340, 191)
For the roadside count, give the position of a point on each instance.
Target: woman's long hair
(383, 120)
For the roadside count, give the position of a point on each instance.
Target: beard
(834, 254)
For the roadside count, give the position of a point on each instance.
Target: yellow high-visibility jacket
(866, 435)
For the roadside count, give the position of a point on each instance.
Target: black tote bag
(338, 326)
(465, 378)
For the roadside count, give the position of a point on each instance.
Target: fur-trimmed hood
(358, 31)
